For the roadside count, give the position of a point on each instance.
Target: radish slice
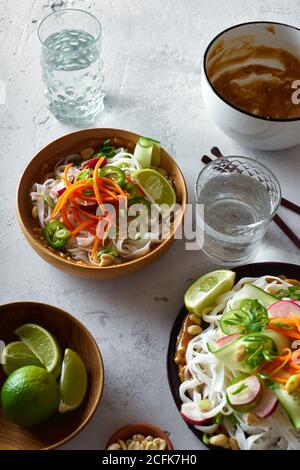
(284, 308)
(245, 394)
(60, 188)
(227, 339)
(192, 415)
(296, 302)
(92, 163)
(267, 406)
(89, 206)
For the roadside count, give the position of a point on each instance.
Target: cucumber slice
(143, 154)
(228, 353)
(147, 152)
(250, 291)
(290, 402)
(281, 342)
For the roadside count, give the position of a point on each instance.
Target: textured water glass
(240, 198)
(72, 65)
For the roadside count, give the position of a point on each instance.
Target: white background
(152, 54)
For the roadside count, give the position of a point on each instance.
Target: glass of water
(72, 65)
(240, 197)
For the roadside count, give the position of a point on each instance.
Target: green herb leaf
(108, 251)
(293, 293)
(239, 389)
(49, 201)
(84, 175)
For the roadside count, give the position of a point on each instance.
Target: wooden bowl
(146, 429)
(44, 162)
(70, 333)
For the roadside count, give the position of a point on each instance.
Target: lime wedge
(156, 187)
(16, 355)
(73, 382)
(205, 291)
(43, 345)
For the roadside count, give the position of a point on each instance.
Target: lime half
(156, 187)
(205, 291)
(16, 355)
(73, 382)
(43, 345)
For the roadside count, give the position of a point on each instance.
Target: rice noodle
(207, 378)
(44, 197)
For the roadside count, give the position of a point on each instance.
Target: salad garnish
(246, 363)
(81, 205)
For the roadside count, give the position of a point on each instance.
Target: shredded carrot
(95, 178)
(105, 233)
(279, 379)
(95, 247)
(65, 175)
(113, 183)
(290, 326)
(64, 214)
(285, 359)
(65, 197)
(278, 363)
(82, 226)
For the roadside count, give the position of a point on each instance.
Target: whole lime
(29, 396)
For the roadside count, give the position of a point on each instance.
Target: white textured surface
(152, 54)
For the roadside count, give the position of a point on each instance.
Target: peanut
(240, 353)
(252, 419)
(87, 153)
(195, 319)
(233, 444)
(138, 437)
(139, 442)
(220, 440)
(114, 446)
(122, 444)
(134, 445)
(34, 212)
(194, 330)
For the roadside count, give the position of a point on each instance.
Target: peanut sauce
(182, 343)
(255, 78)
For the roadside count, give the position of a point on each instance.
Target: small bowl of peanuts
(139, 436)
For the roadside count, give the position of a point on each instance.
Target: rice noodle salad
(79, 206)
(241, 374)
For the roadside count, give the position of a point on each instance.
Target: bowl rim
(236, 108)
(100, 359)
(87, 267)
(154, 429)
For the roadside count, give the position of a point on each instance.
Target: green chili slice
(250, 317)
(114, 173)
(56, 234)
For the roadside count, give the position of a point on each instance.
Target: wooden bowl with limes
(69, 333)
(44, 163)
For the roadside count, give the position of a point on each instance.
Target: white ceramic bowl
(247, 128)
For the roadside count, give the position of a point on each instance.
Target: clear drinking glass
(240, 198)
(72, 65)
